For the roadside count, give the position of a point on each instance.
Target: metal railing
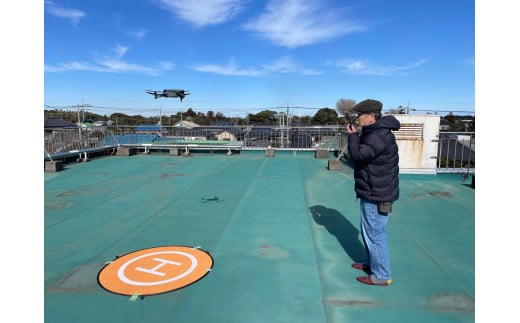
(59, 142)
(456, 150)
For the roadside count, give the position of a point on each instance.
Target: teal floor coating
(282, 231)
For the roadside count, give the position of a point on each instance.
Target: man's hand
(351, 128)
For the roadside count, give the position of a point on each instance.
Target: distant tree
(221, 117)
(450, 118)
(201, 119)
(118, 118)
(240, 121)
(126, 120)
(456, 123)
(306, 120)
(325, 116)
(263, 117)
(174, 118)
(344, 106)
(471, 126)
(190, 113)
(301, 121)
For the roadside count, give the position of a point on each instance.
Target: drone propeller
(168, 93)
(154, 93)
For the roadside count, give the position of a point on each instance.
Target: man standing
(374, 153)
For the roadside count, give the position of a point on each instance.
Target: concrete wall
(418, 143)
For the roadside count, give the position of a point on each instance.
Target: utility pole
(80, 121)
(408, 108)
(160, 115)
(288, 123)
(287, 114)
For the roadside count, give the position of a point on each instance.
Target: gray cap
(368, 106)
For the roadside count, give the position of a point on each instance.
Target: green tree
(221, 117)
(450, 117)
(325, 116)
(263, 117)
(190, 114)
(471, 126)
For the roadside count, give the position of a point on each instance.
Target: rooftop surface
(282, 233)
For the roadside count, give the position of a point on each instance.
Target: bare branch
(344, 106)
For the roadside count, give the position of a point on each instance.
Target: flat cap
(368, 106)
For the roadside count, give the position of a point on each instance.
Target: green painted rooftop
(282, 232)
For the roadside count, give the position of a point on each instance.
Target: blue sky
(238, 57)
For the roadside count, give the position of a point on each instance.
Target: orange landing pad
(155, 270)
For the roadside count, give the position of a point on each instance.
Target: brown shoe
(360, 266)
(368, 280)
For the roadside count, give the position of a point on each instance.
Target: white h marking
(191, 258)
(154, 271)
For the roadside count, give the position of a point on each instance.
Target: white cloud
(167, 66)
(287, 64)
(283, 65)
(120, 50)
(203, 12)
(352, 66)
(229, 69)
(294, 23)
(73, 66)
(102, 66)
(141, 33)
(110, 64)
(74, 15)
(115, 65)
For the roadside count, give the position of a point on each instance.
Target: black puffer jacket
(376, 160)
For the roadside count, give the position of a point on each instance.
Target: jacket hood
(387, 121)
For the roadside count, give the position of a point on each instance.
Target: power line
(234, 111)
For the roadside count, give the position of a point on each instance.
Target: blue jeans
(375, 239)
